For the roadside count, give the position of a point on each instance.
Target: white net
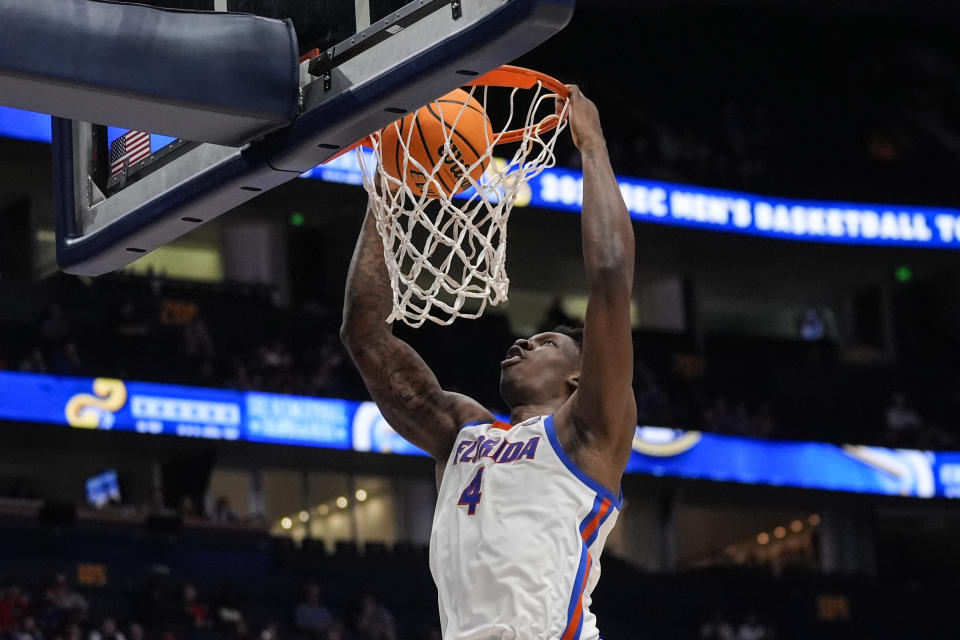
(446, 254)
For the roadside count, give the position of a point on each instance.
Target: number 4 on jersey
(470, 497)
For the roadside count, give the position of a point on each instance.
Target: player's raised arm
(400, 382)
(603, 409)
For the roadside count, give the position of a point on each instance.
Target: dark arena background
(791, 167)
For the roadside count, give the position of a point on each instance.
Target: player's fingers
(574, 98)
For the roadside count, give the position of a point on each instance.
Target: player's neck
(523, 412)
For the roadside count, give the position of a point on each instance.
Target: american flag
(131, 147)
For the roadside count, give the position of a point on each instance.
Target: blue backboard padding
(220, 414)
(229, 63)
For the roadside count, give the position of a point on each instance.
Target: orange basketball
(470, 135)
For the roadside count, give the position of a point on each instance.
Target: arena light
(286, 523)
(814, 519)
(303, 516)
(903, 274)
(342, 502)
(796, 526)
(323, 510)
(779, 532)
(763, 538)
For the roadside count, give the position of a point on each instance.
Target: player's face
(539, 366)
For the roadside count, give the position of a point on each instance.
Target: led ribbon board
(733, 211)
(677, 204)
(139, 407)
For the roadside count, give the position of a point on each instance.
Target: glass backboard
(359, 66)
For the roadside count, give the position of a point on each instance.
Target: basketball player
(524, 508)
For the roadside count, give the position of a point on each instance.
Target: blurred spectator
(71, 605)
(375, 622)
(312, 616)
(14, 606)
(28, 630)
(275, 356)
(130, 328)
(73, 631)
(240, 631)
(269, 633)
(902, 421)
(717, 628)
(652, 401)
(231, 619)
(107, 631)
(328, 369)
(221, 511)
(752, 629)
(188, 509)
(55, 328)
(335, 632)
(763, 422)
(812, 325)
(195, 612)
(197, 343)
(67, 362)
(34, 362)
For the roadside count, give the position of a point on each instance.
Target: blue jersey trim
(578, 586)
(583, 614)
(596, 532)
(574, 469)
(597, 503)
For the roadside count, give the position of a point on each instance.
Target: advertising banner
(159, 409)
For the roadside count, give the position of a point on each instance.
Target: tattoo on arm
(400, 382)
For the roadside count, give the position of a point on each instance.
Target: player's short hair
(576, 333)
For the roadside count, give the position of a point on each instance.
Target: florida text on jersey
(517, 536)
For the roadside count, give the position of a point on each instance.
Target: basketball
(469, 133)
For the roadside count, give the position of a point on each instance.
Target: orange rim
(503, 76)
(510, 76)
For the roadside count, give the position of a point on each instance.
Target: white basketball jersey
(517, 536)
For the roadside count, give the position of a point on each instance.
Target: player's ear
(573, 382)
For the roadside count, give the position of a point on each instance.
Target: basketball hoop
(446, 253)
